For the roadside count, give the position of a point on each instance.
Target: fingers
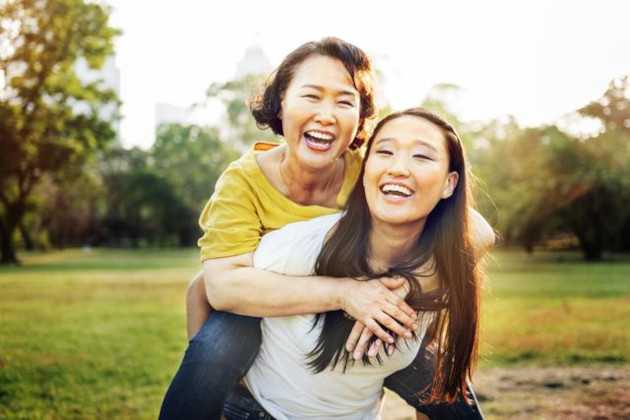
(401, 317)
(375, 348)
(390, 349)
(408, 310)
(375, 329)
(403, 312)
(361, 348)
(353, 338)
(398, 293)
(387, 321)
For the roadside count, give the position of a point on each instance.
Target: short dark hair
(266, 106)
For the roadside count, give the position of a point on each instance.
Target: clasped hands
(378, 305)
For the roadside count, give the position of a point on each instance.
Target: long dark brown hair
(444, 245)
(266, 106)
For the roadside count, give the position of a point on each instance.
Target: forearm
(254, 292)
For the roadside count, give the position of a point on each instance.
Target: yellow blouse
(245, 206)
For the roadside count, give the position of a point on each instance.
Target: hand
(358, 340)
(359, 336)
(375, 306)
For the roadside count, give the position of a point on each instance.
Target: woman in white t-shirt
(407, 217)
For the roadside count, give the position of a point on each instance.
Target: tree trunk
(8, 247)
(591, 243)
(591, 251)
(29, 245)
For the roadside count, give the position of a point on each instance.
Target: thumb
(392, 282)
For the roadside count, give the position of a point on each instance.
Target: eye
(384, 152)
(311, 96)
(422, 157)
(346, 103)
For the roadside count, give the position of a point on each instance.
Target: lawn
(98, 334)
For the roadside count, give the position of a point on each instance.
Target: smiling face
(319, 112)
(407, 171)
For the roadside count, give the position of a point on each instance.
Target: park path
(598, 393)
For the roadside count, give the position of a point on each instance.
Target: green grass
(91, 335)
(555, 309)
(99, 334)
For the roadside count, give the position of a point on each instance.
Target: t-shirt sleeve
(229, 220)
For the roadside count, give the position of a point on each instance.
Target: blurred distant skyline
(536, 60)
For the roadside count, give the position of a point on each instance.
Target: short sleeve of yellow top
(245, 206)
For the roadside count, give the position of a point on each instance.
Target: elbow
(490, 238)
(196, 292)
(483, 235)
(214, 290)
(485, 241)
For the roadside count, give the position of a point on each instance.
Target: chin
(394, 219)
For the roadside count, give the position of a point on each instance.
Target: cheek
(354, 120)
(294, 110)
(432, 181)
(374, 171)
(349, 118)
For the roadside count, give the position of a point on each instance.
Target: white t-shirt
(280, 378)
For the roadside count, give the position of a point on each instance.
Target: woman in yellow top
(319, 100)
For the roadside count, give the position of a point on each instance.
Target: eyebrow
(424, 143)
(339, 92)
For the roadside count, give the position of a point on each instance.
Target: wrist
(342, 289)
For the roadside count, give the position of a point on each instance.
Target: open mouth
(319, 140)
(396, 190)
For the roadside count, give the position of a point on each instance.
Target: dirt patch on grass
(600, 393)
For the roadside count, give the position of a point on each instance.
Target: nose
(325, 114)
(399, 166)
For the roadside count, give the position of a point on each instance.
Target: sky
(536, 60)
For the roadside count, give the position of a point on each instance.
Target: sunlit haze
(536, 60)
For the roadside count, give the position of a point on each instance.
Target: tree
(49, 118)
(71, 209)
(190, 159)
(142, 207)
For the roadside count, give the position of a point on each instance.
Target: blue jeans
(241, 405)
(225, 348)
(217, 357)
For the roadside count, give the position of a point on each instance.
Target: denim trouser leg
(241, 405)
(409, 383)
(216, 359)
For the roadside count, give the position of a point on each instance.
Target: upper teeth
(321, 136)
(396, 188)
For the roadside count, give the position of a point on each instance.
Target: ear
(450, 184)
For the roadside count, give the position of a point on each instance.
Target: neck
(302, 183)
(391, 244)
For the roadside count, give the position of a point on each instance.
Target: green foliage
(49, 118)
(154, 197)
(191, 158)
(544, 183)
(142, 207)
(235, 96)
